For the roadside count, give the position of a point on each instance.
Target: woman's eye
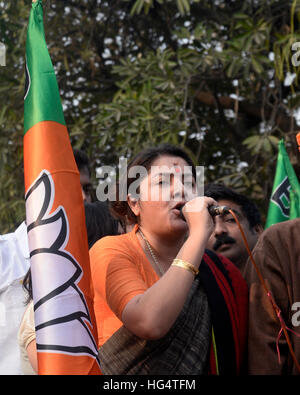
(164, 182)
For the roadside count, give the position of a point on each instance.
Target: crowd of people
(175, 291)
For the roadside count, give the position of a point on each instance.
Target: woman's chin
(179, 227)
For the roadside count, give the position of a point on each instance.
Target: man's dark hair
(221, 192)
(81, 160)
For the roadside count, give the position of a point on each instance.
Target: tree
(216, 77)
(12, 34)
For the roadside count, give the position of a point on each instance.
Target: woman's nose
(178, 189)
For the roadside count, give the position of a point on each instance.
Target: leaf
(186, 5)
(240, 15)
(267, 146)
(251, 142)
(233, 68)
(137, 7)
(274, 141)
(180, 6)
(258, 68)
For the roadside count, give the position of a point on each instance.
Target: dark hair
(145, 158)
(221, 192)
(27, 286)
(81, 160)
(99, 221)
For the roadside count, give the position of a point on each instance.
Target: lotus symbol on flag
(62, 318)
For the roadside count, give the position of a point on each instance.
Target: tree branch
(281, 119)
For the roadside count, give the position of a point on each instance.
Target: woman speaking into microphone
(180, 308)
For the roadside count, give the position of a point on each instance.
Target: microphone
(213, 211)
(218, 210)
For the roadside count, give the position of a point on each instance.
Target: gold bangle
(186, 265)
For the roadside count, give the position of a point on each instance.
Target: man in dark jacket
(277, 257)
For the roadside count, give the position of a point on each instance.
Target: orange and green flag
(65, 324)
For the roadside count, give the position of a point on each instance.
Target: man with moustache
(227, 239)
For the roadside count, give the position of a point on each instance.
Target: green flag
(285, 198)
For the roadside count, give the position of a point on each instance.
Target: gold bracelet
(186, 265)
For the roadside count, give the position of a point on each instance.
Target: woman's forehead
(169, 162)
(176, 166)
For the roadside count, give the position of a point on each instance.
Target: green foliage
(285, 38)
(12, 34)
(208, 75)
(147, 109)
(184, 6)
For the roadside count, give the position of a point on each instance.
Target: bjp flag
(63, 309)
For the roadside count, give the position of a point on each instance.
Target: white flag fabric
(14, 263)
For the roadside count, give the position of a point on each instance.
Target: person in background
(82, 162)
(226, 238)
(14, 263)
(277, 257)
(26, 332)
(100, 222)
(166, 290)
